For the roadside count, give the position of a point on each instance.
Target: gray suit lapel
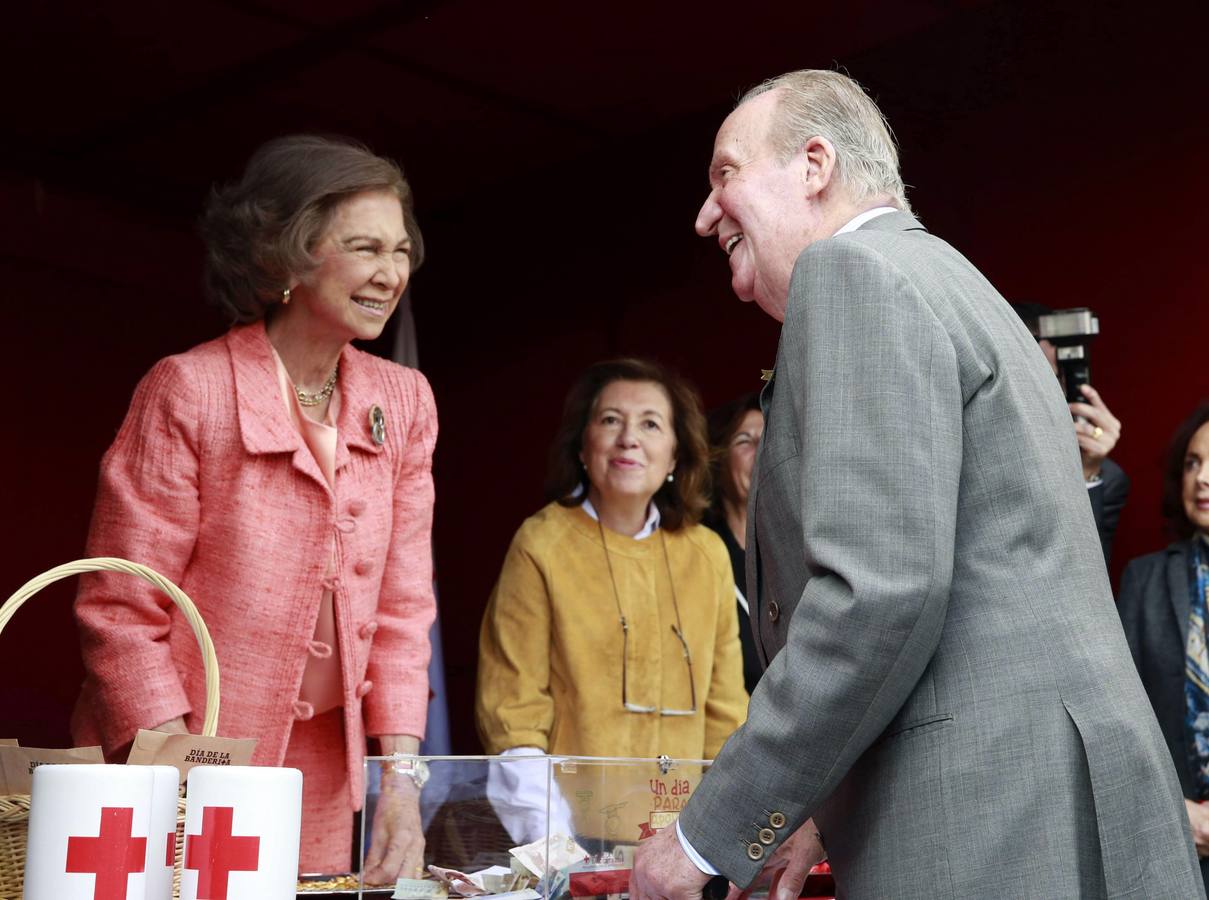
(752, 562)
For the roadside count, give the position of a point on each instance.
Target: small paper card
(17, 763)
(156, 748)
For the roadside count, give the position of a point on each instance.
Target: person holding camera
(1097, 431)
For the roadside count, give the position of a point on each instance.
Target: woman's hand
(1198, 818)
(396, 847)
(397, 837)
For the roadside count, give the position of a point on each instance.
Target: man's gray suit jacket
(949, 693)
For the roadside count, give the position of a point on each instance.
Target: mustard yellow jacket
(550, 651)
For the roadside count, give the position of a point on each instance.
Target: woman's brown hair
(681, 501)
(724, 422)
(1173, 473)
(260, 230)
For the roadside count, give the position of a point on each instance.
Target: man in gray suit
(949, 694)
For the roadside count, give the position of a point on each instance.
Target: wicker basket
(14, 808)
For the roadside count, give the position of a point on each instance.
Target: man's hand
(1198, 818)
(790, 864)
(662, 871)
(397, 838)
(1098, 434)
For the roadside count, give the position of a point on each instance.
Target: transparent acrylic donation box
(562, 826)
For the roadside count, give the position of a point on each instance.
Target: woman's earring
(285, 297)
(670, 477)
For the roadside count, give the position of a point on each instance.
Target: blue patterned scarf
(1196, 670)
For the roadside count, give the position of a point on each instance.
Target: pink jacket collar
(265, 425)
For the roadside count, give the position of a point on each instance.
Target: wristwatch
(411, 766)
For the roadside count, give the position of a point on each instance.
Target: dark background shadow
(558, 153)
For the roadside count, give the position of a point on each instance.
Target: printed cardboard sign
(156, 748)
(17, 763)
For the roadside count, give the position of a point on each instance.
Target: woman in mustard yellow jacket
(611, 630)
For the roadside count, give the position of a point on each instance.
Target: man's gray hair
(817, 102)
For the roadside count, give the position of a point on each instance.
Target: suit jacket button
(367, 629)
(363, 567)
(356, 507)
(364, 688)
(776, 820)
(774, 611)
(755, 851)
(767, 836)
(303, 711)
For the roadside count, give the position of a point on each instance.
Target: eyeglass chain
(625, 627)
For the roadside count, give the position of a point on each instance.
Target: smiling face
(760, 207)
(1196, 479)
(741, 454)
(629, 444)
(364, 263)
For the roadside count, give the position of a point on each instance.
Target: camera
(1071, 332)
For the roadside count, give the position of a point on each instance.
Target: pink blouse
(321, 677)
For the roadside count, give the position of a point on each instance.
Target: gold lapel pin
(377, 425)
(766, 374)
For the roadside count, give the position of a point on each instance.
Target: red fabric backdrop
(1068, 172)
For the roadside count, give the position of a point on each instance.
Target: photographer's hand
(1097, 434)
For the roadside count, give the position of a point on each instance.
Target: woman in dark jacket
(1162, 605)
(734, 436)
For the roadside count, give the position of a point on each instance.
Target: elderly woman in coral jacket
(283, 479)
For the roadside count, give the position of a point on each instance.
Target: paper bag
(156, 748)
(17, 763)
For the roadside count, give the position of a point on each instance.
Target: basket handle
(114, 564)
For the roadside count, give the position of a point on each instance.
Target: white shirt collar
(652, 518)
(867, 216)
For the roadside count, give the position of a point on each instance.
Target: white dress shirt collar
(652, 518)
(868, 215)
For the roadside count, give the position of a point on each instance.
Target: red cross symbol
(112, 856)
(216, 853)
